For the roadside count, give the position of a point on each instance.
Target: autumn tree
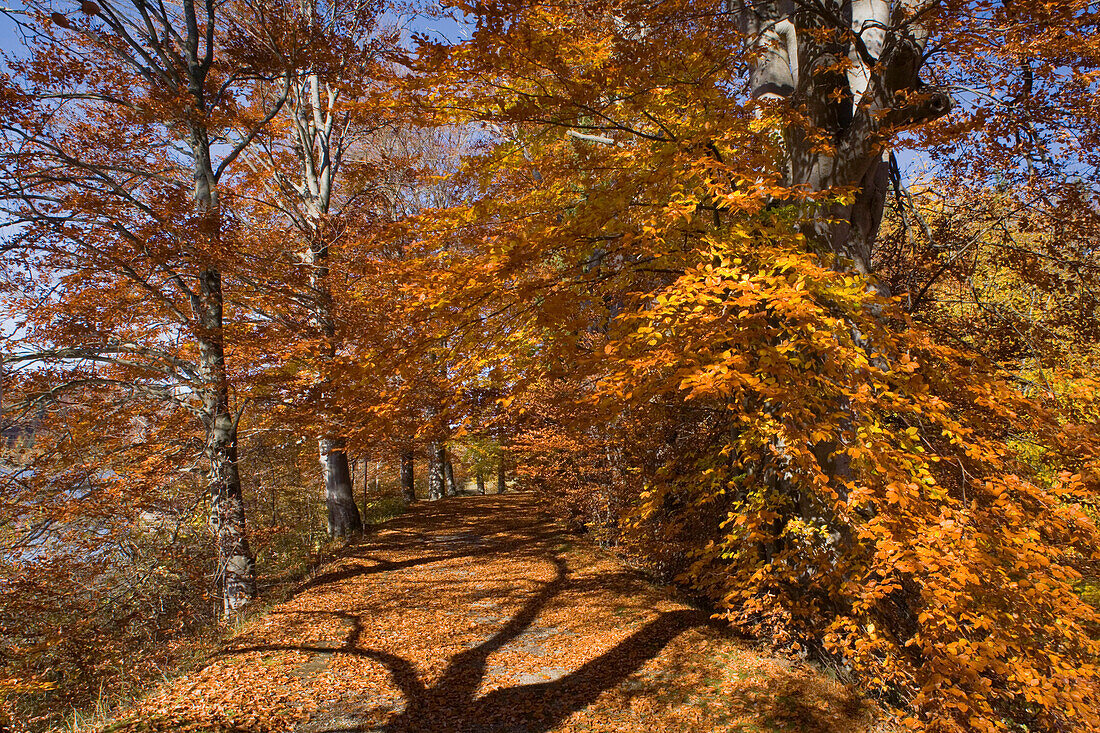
(337, 102)
(679, 216)
(124, 122)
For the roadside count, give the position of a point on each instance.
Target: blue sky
(10, 40)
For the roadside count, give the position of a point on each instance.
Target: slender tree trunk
(449, 475)
(500, 475)
(408, 487)
(343, 514)
(437, 456)
(366, 489)
(481, 482)
(236, 564)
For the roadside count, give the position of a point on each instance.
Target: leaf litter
(481, 615)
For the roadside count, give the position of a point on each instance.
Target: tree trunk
(319, 159)
(449, 475)
(855, 94)
(236, 564)
(343, 514)
(408, 488)
(236, 572)
(481, 482)
(500, 475)
(366, 491)
(851, 69)
(437, 455)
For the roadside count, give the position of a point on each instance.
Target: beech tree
(297, 168)
(677, 226)
(315, 127)
(129, 117)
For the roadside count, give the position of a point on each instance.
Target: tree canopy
(791, 301)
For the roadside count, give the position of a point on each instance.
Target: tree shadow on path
(481, 616)
(452, 704)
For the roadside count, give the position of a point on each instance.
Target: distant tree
(408, 484)
(298, 169)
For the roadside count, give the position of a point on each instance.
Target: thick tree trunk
(437, 455)
(500, 475)
(449, 476)
(408, 487)
(343, 514)
(480, 482)
(852, 69)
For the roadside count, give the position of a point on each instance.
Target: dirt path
(477, 615)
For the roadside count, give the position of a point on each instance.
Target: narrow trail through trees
(479, 614)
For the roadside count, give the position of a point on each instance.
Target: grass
(383, 509)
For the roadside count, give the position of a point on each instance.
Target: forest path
(479, 615)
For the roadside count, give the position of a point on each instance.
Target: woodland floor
(479, 615)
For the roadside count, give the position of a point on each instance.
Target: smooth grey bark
(480, 481)
(343, 514)
(500, 475)
(804, 48)
(437, 456)
(449, 476)
(408, 487)
(319, 144)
